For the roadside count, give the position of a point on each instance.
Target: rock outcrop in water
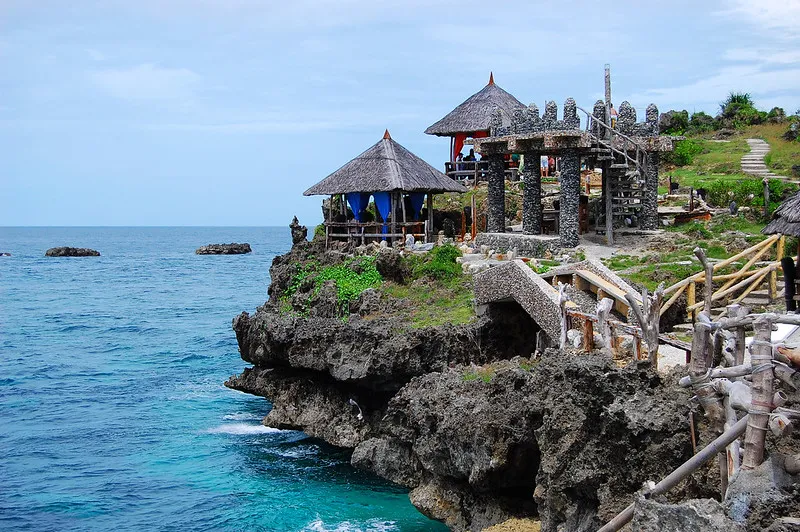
(463, 417)
(224, 249)
(71, 252)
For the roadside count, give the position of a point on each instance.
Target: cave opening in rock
(512, 331)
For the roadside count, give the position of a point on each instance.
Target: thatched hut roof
(786, 218)
(476, 111)
(385, 167)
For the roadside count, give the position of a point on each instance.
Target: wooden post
(648, 315)
(608, 205)
(699, 375)
(738, 311)
(708, 284)
(773, 276)
(562, 304)
(602, 310)
(474, 218)
(690, 300)
(762, 389)
(588, 336)
(429, 236)
(766, 199)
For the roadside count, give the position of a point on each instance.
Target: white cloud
(148, 82)
(705, 93)
(768, 15)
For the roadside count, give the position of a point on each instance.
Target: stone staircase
(753, 162)
(626, 185)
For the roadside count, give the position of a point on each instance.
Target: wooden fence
(734, 286)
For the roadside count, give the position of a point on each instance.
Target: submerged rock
(224, 249)
(71, 252)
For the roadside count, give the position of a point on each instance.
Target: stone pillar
(570, 197)
(532, 194)
(496, 222)
(649, 215)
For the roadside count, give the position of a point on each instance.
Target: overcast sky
(222, 112)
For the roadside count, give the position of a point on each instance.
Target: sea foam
(242, 428)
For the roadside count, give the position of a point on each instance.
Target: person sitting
(459, 164)
(551, 166)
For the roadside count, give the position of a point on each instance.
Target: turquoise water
(111, 398)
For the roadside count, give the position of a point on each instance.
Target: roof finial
(386, 135)
(491, 78)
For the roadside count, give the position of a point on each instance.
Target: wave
(240, 416)
(191, 358)
(372, 525)
(243, 428)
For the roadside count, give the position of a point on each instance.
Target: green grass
(430, 304)
(485, 374)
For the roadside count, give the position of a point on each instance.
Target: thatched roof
(476, 112)
(385, 167)
(786, 218)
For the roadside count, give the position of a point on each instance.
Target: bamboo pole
(773, 276)
(708, 283)
(690, 300)
(763, 375)
(721, 264)
(756, 282)
(747, 266)
(686, 469)
(756, 278)
(732, 451)
(672, 299)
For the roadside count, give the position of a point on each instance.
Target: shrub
(702, 123)
(749, 192)
(319, 232)
(776, 115)
(440, 263)
(684, 153)
(351, 279)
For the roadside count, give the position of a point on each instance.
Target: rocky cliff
(463, 416)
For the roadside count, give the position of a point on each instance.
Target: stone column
(649, 216)
(570, 197)
(496, 222)
(532, 195)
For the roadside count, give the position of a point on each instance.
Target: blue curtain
(358, 202)
(417, 201)
(383, 201)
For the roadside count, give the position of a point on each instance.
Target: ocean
(112, 405)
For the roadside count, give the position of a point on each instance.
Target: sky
(222, 112)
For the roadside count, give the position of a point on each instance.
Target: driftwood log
(603, 309)
(761, 360)
(648, 315)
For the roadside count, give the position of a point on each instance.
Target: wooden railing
(363, 231)
(735, 286)
(475, 170)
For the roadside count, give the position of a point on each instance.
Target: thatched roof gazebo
(786, 218)
(473, 116)
(397, 180)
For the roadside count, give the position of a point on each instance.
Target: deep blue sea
(113, 414)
